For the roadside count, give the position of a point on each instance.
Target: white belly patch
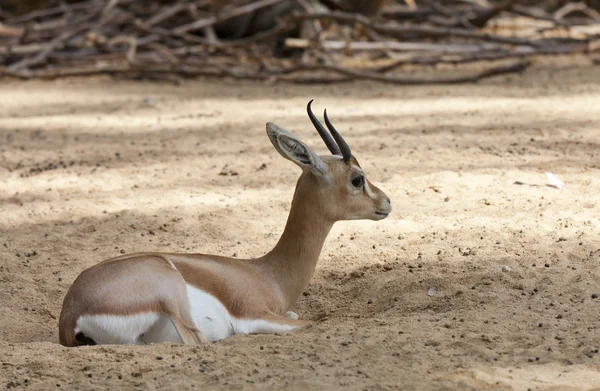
(210, 315)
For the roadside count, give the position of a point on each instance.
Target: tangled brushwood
(302, 41)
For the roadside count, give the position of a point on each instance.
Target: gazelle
(192, 298)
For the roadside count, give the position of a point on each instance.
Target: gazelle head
(335, 185)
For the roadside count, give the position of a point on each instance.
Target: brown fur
(263, 288)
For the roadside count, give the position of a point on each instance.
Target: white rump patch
(116, 329)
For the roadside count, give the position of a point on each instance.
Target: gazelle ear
(291, 148)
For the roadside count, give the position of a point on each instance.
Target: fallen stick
(24, 49)
(212, 20)
(171, 11)
(11, 31)
(573, 7)
(220, 71)
(366, 75)
(44, 53)
(476, 57)
(534, 13)
(400, 12)
(124, 69)
(61, 9)
(296, 43)
(401, 31)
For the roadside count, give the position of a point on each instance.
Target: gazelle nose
(389, 204)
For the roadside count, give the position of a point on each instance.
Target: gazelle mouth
(381, 214)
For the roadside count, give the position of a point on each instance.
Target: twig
(366, 75)
(170, 11)
(422, 31)
(125, 69)
(212, 20)
(482, 17)
(475, 57)
(135, 40)
(61, 9)
(165, 14)
(415, 15)
(11, 31)
(43, 55)
(534, 13)
(224, 71)
(394, 45)
(573, 7)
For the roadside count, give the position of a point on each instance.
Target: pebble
(505, 268)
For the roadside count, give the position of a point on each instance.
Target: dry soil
(91, 168)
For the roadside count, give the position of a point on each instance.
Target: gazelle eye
(359, 181)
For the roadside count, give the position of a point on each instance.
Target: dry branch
(211, 21)
(10, 31)
(296, 43)
(138, 39)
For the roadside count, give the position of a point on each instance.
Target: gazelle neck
(293, 260)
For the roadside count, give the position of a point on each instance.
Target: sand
(92, 168)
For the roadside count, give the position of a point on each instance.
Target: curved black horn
(345, 149)
(331, 145)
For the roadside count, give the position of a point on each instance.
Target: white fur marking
(115, 329)
(370, 193)
(215, 322)
(259, 326)
(210, 315)
(162, 331)
(172, 265)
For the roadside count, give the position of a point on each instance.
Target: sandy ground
(88, 168)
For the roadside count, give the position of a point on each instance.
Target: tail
(70, 337)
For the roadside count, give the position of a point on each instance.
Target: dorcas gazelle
(192, 298)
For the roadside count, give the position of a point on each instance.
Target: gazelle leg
(292, 315)
(267, 323)
(189, 335)
(273, 323)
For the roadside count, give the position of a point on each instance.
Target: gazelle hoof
(291, 315)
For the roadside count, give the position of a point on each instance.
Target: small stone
(431, 292)
(595, 296)
(159, 357)
(505, 268)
